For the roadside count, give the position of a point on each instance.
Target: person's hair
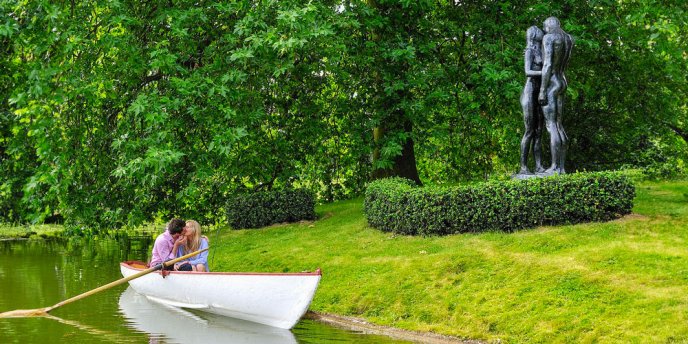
(534, 33)
(194, 242)
(175, 226)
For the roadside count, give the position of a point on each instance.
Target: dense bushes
(395, 205)
(265, 208)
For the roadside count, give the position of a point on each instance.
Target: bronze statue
(532, 113)
(556, 48)
(546, 58)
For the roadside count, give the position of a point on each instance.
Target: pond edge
(360, 325)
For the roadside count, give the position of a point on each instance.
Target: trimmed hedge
(261, 209)
(396, 205)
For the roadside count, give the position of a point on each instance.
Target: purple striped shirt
(162, 249)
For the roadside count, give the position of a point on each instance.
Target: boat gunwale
(128, 265)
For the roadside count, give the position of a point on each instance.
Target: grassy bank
(38, 232)
(622, 281)
(8, 231)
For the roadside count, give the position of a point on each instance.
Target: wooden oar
(44, 311)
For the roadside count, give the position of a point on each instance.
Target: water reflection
(167, 324)
(41, 273)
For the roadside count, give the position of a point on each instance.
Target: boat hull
(274, 299)
(177, 325)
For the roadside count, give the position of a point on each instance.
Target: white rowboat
(274, 299)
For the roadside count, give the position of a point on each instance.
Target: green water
(35, 274)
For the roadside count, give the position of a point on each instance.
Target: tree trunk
(404, 165)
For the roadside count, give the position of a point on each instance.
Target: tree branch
(679, 131)
(150, 78)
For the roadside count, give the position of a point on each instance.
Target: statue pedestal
(522, 176)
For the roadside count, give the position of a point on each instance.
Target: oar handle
(124, 280)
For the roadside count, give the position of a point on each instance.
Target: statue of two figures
(546, 57)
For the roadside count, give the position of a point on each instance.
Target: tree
(125, 111)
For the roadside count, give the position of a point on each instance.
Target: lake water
(36, 274)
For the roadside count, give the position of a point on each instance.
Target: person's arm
(547, 52)
(176, 252)
(172, 252)
(156, 256)
(201, 258)
(569, 43)
(529, 63)
(180, 252)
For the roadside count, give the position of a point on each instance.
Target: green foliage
(122, 112)
(661, 159)
(260, 209)
(126, 112)
(396, 206)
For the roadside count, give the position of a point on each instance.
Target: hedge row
(396, 205)
(262, 209)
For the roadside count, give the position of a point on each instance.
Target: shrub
(396, 205)
(261, 209)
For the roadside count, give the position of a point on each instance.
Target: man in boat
(165, 246)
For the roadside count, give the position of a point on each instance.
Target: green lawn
(622, 281)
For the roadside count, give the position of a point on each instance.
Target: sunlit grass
(621, 281)
(9, 231)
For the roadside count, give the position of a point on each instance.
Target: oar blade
(25, 313)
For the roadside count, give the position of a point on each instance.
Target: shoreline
(360, 325)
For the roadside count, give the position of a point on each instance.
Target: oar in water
(44, 311)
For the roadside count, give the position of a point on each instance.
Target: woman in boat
(192, 242)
